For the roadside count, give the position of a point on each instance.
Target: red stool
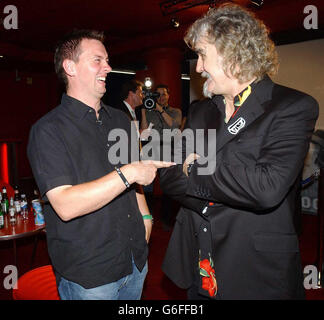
(37, 284)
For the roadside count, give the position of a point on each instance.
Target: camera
(150, 98)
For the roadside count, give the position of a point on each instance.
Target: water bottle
(12, 212)
(24, 207)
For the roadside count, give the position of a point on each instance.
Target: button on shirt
(69, 146)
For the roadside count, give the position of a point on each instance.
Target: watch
(162, 111)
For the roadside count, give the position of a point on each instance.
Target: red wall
(24, 99)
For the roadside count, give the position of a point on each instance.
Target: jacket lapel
(125, 109)
(251, 110)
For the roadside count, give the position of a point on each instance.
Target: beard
(206, 93)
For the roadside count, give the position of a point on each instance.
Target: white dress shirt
(131, 110)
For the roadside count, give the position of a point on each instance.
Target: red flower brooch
(209, 282)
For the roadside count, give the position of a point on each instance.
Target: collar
(259, 90)
(242, 96)
(78, 109)
(130, 109)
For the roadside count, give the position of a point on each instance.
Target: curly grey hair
(240, 38)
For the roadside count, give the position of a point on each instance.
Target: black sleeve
(265, 184)
(48, 157)
(174, 182)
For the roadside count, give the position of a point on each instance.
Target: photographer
(162, 116)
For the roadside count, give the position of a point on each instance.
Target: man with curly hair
(235, 236)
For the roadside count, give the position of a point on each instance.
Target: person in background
(132, 99)
(163, 117)
(185, 110)
(235, 237)
(97, 225)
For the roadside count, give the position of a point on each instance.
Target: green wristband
(147, 217)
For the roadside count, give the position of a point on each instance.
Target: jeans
(126, 288)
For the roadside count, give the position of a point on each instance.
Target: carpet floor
(157, 286)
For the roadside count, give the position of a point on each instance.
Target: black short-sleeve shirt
(69, 146)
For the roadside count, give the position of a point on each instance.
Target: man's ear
(69, 67)
(130, 95)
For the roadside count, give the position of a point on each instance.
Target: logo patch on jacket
(236, 126)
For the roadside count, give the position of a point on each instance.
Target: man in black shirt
(97, 224)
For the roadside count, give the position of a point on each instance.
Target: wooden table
(22, 229)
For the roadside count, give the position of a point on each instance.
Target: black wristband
(122, 177)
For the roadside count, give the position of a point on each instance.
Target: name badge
(236, 126)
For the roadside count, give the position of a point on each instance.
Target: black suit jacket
(122, 106)
(249, 232)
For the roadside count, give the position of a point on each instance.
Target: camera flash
(148, 83)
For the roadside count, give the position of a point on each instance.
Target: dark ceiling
(133, 26)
